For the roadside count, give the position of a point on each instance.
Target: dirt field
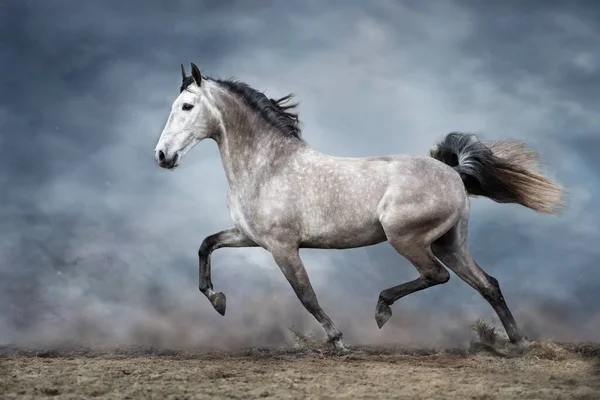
(548, 371)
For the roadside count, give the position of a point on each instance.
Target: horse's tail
(505, 172)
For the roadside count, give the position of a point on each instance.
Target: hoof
(382, 314)
(218, 301)
(523, 343)
(339, 346)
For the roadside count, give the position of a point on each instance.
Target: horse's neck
(241, 158)
(248, 146)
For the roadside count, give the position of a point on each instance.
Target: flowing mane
(278, 113)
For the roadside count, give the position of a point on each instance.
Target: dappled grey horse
(285, 195)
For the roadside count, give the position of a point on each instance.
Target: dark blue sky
(98, 243)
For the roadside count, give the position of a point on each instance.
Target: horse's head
(192, 119)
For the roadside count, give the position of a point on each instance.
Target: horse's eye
(187, 106)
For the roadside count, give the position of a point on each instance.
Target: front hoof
(383, 312)
(218, 301)
(340, 347)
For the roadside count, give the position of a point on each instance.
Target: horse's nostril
(161, 156)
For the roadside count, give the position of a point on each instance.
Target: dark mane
(275, 112)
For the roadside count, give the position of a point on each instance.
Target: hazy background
(98, 244)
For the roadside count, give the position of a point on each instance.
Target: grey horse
(285, 195)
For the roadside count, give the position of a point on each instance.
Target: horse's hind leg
(411, 234)
(452, 250)
(431, 271)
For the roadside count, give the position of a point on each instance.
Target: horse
(285, 195)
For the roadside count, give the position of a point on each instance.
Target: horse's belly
(335, 234)
(343, 214)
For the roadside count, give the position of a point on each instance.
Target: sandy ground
(549, 371)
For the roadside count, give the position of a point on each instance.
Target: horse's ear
(196, 74)
(183, 74)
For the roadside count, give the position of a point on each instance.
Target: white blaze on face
(179, 131)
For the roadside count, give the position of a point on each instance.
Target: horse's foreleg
(293, 269)
(228, 238)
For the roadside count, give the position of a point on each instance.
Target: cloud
(97, 243)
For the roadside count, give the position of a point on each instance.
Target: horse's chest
(240, 212)
(236, 208)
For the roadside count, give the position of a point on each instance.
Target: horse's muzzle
(165, 161)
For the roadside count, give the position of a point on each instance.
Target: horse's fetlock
(336, 336)
(384, 299)
(206, 290)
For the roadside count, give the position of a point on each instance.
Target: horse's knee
(206, 247)
(203, 251)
